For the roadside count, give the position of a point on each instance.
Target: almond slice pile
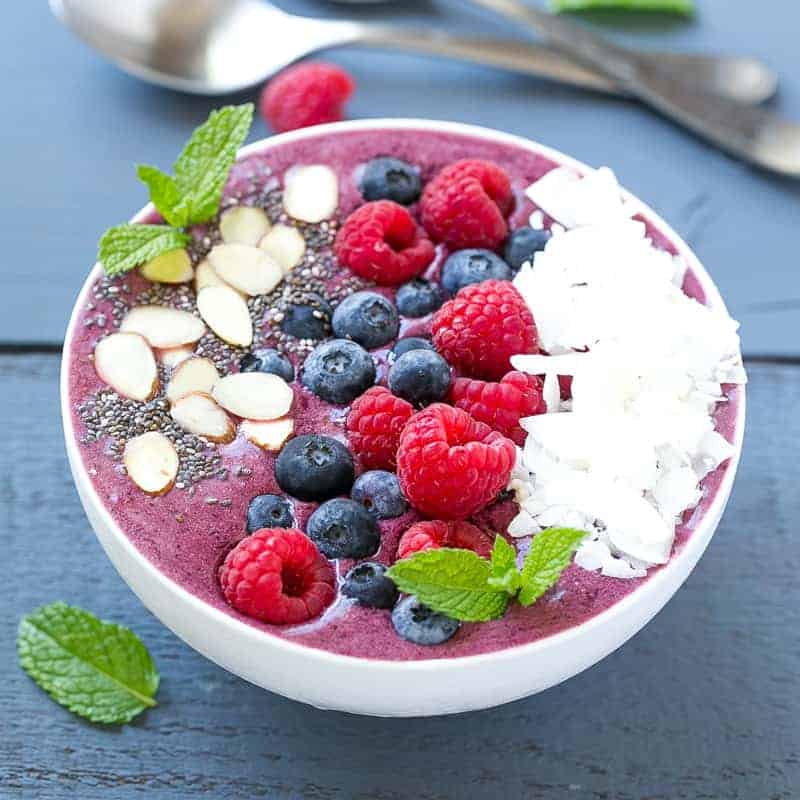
(254, 395)
(243, 225)
(193, 375)
(286, 245)
(226, 313)
(163, 327)
(151, 462)
(246, 268)
(197, 413)
(310, 192)
(126, 363)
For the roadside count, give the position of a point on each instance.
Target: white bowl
(392, 688)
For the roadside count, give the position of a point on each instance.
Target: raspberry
(466, 205)
(374, 424)
(381, 242)
(500, 405)
(482, 327)
(277, 575)
(431, 534)
(304, 95)
(450, 465)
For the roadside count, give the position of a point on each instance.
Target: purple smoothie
(187, 534)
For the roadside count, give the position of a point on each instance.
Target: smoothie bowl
(422, 418)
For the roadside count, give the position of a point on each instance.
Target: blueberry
(472, 266)
(309, 319)
(524, 242)
(418, 298)
(314, 467)
(338, 371)
(402, 346)
(368, 585)
(268, 360)
(420, 624)
(420, 376)
(269, 511)
(380, 493)
(344, 529)
(367, 318)
(391, 179)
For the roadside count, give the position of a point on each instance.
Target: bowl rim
(691, 551)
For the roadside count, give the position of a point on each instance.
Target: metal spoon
(754, 134)
(219, 46)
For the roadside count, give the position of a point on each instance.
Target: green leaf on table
(550, 554)
(127, 246)
(684, 7)
(503, 572)
(96, 669)
(164, 194)
(452, 581)
(202, 169)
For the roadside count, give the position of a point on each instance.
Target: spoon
(220, 46)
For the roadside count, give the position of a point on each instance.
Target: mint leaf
(451, 581)
(98, 670)
(685, 7)
(124, 247)
(550, 554)
(503, 572)
(201, 170)
(164, 194)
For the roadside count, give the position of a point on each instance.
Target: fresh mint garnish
(465, 586)
(685, 7)
(96, 669)
(192, 196)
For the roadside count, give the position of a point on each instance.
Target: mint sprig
(192, 196)
(465, 586)
(685, 7)
(96, 669)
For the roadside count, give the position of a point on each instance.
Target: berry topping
(390, 179)
(420, 376)
(419, 624)
(270, 361)
(374, 425)
(380, 493)
(269, 511)
(367, 318)
(403, 346)
(277, 576)
(314, 467)
(450, 465)
(309, 319)
(418, 298)
(465, 267)
(466, 205)
(382, 243)
(500, 405)
(368, 585)
(430, 534)
(344, 529)
(482, 327)
(338, 371)
(304, 95)
(523, 243)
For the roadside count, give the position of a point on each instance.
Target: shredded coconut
(623, 459)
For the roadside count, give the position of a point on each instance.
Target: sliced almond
(172, 267)
(254, 395)
(126, 363)
(270, 435)
(310, 193)
(286, 245)
(151, 462)
(162, 326)
(199, 414)
(193, 375)
(245, 268)
(226, 313)
(174, 355)
(244, 225)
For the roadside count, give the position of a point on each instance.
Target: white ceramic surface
(391, 688)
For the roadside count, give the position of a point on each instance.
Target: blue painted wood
(702, 703)
(74, 126)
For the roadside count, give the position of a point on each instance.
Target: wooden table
(702, 704)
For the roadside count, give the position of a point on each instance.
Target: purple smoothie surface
(186, 534)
